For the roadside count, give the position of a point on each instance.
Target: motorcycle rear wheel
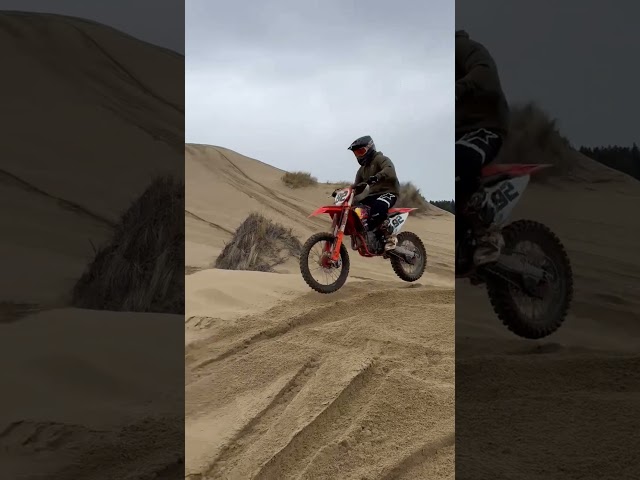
(400, 266)
(502, 294)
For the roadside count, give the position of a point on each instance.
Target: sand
(84, 398)
(567, 406)
(282, 382)
(95, 114)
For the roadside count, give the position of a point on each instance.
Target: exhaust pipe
(518, 265)
(405, 254)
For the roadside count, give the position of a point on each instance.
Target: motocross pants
(380, 204)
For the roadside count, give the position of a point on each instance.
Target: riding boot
(388, 238)
(490, 242)
(489, 247)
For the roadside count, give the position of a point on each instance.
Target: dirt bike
(518, 277)
(408, 259)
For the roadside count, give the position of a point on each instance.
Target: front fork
(338, 233)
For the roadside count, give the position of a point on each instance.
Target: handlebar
(357, 187)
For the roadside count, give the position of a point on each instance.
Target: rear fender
(505, 195)
(400, 210)
(398, 220)
(513, 170)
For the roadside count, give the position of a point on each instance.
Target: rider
(481, 126)
(378, 172)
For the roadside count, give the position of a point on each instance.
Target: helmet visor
(360, 152)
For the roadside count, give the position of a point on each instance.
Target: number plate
(341, 196)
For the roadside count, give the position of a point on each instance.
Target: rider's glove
(373, 180)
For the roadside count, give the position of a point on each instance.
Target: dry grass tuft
(534, 138)
(299, 179)
(258, 244)
(141, 270)
(411, 197)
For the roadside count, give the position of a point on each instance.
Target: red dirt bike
(539, 277)
(408, 259)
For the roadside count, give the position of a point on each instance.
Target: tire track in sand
(271, 193)
(322, 314)
(247, 185)
(345, 410)
(236, 448)
(323, 417)
(211, 224)
(300, 444)
(426, 454)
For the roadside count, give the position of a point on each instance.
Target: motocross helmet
(364, 149)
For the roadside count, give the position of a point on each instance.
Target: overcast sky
(579, 59)
(160, 22)
(293, 83)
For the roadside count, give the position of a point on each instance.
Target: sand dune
(74, 85)
(566, 406)
(224, 186)
(81, 396)
(282, 382)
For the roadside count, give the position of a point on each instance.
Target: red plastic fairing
(401, 210)
(333, 209)
(512, 170)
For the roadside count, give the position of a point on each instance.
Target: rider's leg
(473, 151)
(368, 202)
(469, 161)
(383, 204)
(380, 205)
(380, 209)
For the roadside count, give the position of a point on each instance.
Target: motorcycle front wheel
(315, 261)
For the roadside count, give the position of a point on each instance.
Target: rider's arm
(481, 76)
(386, 169)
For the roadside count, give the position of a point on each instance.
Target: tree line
(623, 159)
(448, 205)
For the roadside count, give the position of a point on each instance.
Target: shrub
(258, 244)
(299, 179)
(141, 269)
(534, 138)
